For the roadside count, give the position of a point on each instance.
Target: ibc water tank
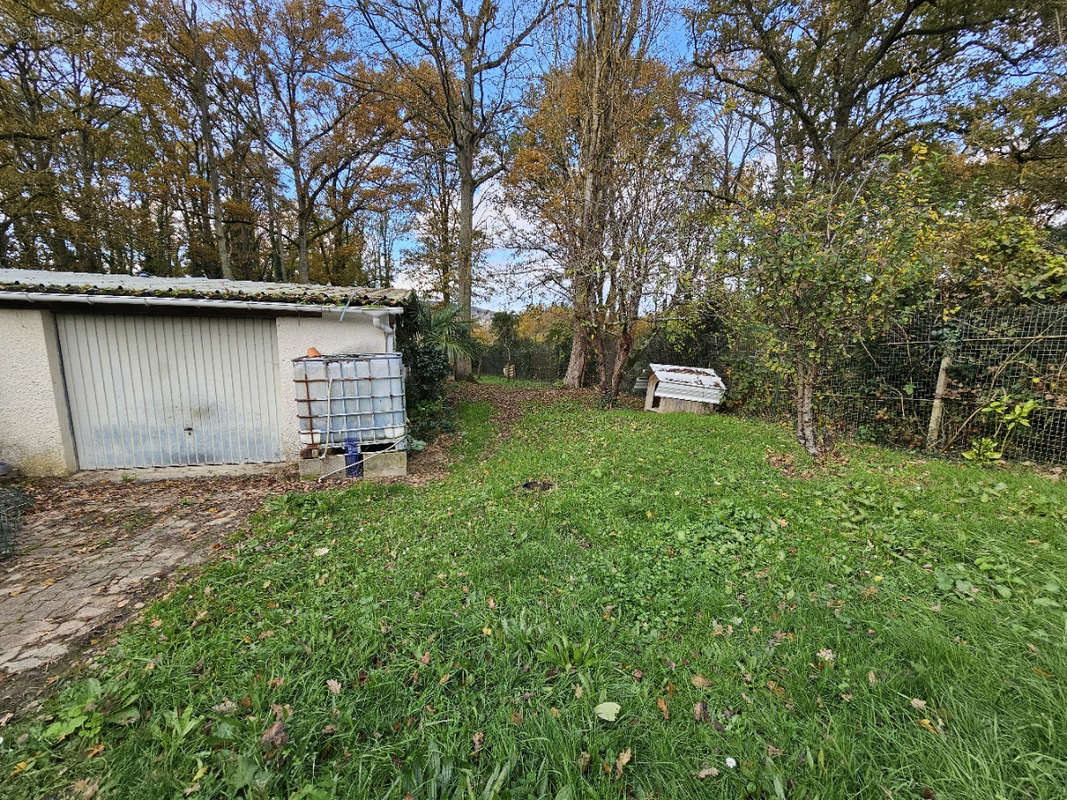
(350, 396)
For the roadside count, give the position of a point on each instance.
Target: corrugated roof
(689, 376)
(84, 283)
(698, 384)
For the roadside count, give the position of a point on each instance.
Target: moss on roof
(196, 288)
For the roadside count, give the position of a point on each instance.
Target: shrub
(428, 368)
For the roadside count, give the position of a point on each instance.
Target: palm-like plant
(446, 328)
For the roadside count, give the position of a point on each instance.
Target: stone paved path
(89, 556)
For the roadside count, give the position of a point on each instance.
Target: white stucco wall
(34, 423)
(357, 334)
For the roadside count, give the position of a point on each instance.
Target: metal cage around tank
(349, 396)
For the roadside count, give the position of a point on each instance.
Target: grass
(515, 383)
(882, 627)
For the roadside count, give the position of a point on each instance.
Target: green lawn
(517, 383)
(883, 627)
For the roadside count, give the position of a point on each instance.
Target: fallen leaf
(928, 725)
(638, 675)
(333, 686)
(918, 704)
(872, 679)
(321, 551)
(700, 682)
(276, 683)
(577, 690)
(492, 603)
(155, 623)
(622, 761)
(608, 712)
(477, 740)
(281, 712)
(1041, 673)
(700, 712)
(227, 706)
(425, 658)
(707, 772)
(516, 718)
(666, 712)
(275, 735)
(773, 751)
(95, 750)
(583, 762)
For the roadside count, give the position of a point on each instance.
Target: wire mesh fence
(536, 362)
(981, 382)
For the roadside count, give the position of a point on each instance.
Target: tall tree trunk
(805, 406)
(277, 267)
(579, 356)
(599, 338)
(302, 239)
(445, 256)
(622, 356)
(207, 135)
(465, 162)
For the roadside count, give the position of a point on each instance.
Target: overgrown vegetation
(610, 604)
(430, 340)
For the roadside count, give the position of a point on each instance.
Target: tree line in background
(804, 173)
(253, 139)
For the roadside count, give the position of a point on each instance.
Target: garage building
(122, 372)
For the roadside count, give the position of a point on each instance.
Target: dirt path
(511, 403)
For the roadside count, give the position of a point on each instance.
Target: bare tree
(460, 58)
(189, 65)
(611, 43)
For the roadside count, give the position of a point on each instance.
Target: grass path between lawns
(664, 614)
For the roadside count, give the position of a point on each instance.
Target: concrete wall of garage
(358, 333)
(34, 423)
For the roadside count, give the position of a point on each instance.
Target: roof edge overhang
(676, 391)
(187, 305)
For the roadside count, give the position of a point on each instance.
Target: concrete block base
(310, 469)
(392, 464)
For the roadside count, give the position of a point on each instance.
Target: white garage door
(155, 391)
